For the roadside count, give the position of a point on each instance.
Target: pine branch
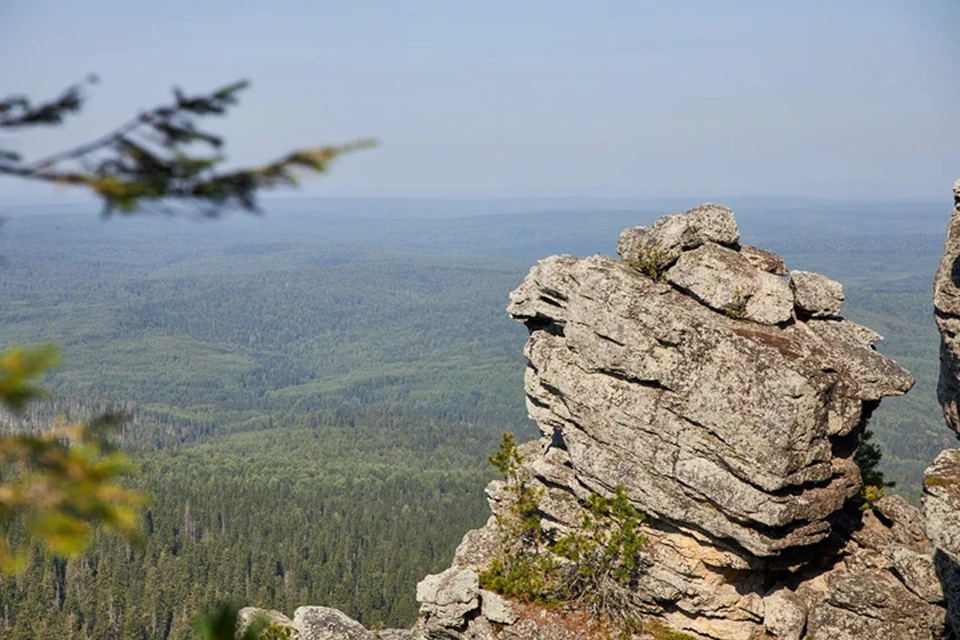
(148, 160)
(17, 111)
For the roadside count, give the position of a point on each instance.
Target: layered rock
(941, 486)
(946, 308)
(705, 394)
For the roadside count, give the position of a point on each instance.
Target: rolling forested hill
(314, 393)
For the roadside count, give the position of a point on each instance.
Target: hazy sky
(761, 97)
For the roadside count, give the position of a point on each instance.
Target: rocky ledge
(726, 397)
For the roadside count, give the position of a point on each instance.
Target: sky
(533, 97)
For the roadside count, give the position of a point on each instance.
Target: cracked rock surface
(730, 424)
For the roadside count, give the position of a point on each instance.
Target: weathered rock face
(730, 421)
(941, 486)
(728, 282)
(946, 307)
(728, 402)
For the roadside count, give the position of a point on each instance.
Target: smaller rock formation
(447, 597)
(816, 296)
(669, 236)
(321, 623)
(946, 308)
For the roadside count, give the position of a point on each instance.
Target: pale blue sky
(767, 97)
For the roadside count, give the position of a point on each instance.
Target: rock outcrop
(941, 486)
(727, 402)
(704, 394)
(946, 308)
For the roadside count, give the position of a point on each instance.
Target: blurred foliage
(221, 622)
(61, 482)
(153, 159)
(58, 484)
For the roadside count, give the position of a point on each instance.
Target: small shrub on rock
(593, 566)
(520, 570)
(276, 632)
(606, 554)
(738, 308)
(868, 457)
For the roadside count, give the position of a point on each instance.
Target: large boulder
(713, 423)
(324, 623)
(319, 623)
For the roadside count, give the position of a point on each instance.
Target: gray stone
(248, 614)
(495, 608)
(631, 242)
(946, 304)
(941, 502)
(817, 296)
(447, 597)
(711, 223)
(916, 571)
(873, 374)
(871, 604)
(324, 623)
(905, 522)
(765, 260)
(784, 615)
(477, 546)
(671, 235)
(727, 282)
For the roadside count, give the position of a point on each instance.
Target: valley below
(313, 395)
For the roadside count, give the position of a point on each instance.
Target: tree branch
(87, 148)
(149, 159)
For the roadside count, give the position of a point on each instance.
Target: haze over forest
(315, 391)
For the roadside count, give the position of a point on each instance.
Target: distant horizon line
(499, 196)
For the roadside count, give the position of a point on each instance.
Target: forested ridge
(312, 418)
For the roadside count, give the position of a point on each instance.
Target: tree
(56, 486)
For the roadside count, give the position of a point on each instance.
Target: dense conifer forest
(313, 395)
